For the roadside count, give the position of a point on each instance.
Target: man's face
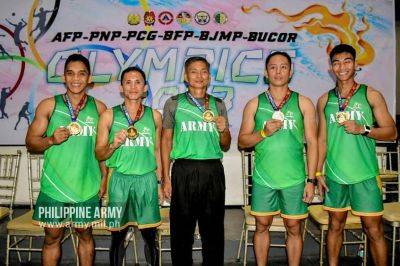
(278, 70)
(197, 75)
(133, 85)
(343, 66)
(76, 77)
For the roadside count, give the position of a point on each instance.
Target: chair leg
(365, 249)
(246, 235)
(134, 247)
(240, 243)
(18, 253)
(8, 251)
(394, 245)
(159, 248)
(345, 240)
(30, 247)
(77, 245)
(321, 248)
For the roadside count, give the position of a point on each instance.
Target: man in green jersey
(129, 139)
(195, 132)
(64, 128)
(276, 122)
(351, 117)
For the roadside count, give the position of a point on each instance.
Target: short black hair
(278, 53)
(133, 69)
(77, 58)
(342, 48)
(193, 59)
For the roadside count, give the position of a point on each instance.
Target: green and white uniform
(194, 138)
(351, 165)
(71, 174)
(279, 169)
(132, 188)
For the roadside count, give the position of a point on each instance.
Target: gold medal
(132, 132)
(342, 117)
(278, 115)
(74, 128)
(208, 116)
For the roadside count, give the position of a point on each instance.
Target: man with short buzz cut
(64, 128)
(276, 123)
(351, 117)
(195, 132)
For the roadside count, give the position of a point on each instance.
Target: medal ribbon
(342, 105)
(74, 112)
(271, 100)
(128, 117)
(196, 102)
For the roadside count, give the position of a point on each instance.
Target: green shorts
(132, 200)
(52, 213)
(287, 201)
(363, 199)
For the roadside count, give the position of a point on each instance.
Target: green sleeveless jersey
(193, 137)
(350, 158)
(71, 172)
(135, 156)
(279, 159)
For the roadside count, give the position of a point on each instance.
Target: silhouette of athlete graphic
(41, 25)
(3, 98)
(17, 31)
(23, 114)
(3, 51)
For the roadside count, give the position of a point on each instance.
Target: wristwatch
(313, 181)
(367, 130)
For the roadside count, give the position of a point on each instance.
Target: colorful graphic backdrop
(235, 37)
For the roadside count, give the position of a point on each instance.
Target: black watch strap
(313, 181)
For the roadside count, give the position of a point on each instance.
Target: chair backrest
(247, 157)
(35, 165)
(388, 157)
(9, 171)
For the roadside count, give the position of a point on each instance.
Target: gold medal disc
(342, 117)
(74, 128)
(278, 115)
(208, 116)
(132, 132)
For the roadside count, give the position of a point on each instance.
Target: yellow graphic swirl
(322, 21)
(30, 36)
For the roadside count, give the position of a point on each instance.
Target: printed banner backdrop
(234, 36)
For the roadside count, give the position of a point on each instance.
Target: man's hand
(352, 127)
(322, 187)
(167, 188)
(308, 194)
(103, 187)
(120, 138)
(271, 126)
(220, 121)
(60, 135)
(160, 194)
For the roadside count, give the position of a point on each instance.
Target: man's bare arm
(36, 140)
(386, 129)
(247, 137)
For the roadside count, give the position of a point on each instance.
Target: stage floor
(233, 225)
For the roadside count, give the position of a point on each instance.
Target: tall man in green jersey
(129, 139)
(276, 123)
(64, 128)
(195, 132)
(351, 117)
